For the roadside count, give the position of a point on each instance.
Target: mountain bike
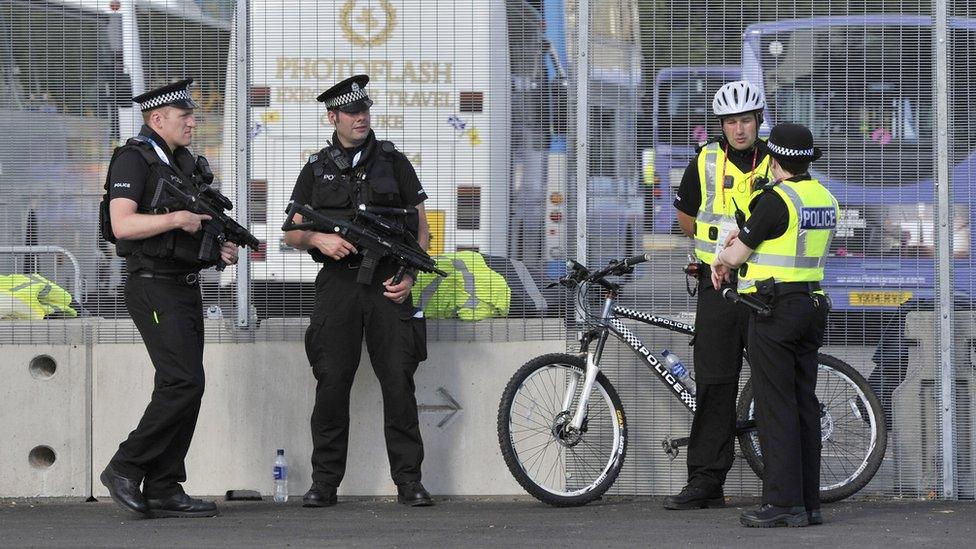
(563, 431)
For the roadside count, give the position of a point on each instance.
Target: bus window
(59, 59)
(175, 47)
(865, 94)
(603, 145)
(685, 113)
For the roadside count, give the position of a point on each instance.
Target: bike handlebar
(579, 273)
(747, 300)
(618, 267)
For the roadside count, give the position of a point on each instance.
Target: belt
(189, 279)
(784, 288)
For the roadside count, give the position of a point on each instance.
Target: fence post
(242, 152)
(582, 124)
(943, 201)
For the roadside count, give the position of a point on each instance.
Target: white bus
(472, 91)
(68, 71)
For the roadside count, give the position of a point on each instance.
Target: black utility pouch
(766, 290)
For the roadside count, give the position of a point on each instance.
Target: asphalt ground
(482, 522)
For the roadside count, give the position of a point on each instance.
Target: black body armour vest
(372, 182)
(174, 251)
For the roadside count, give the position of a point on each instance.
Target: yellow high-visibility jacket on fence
(33, 297)
(472, 291)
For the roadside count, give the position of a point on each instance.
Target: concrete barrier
(915, 437)
(259, 397)
(43, 401)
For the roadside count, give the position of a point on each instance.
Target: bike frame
(610, 323)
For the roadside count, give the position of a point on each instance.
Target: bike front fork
(589, 378)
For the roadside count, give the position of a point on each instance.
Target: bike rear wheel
(555, 464)
(853, 431)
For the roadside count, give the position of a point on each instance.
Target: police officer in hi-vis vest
(779, 255)
(358, 169)
(716, 185)
(163, 298)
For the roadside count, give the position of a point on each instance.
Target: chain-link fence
(530, 157)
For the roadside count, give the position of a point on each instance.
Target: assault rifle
(370, 230)
(207, 201)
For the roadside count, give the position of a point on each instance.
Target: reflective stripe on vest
(713, 211)
(800, 254)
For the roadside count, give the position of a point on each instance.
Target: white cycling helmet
(736, 98)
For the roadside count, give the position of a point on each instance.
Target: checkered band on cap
(346, 98)
(783, 151)
(165, 99)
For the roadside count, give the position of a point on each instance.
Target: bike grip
(631, 261)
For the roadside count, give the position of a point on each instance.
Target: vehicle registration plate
(878, 298)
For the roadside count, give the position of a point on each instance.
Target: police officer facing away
(780, 255)
(716, 185)
(163, 299)
(357, 169)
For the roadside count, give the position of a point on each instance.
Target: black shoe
(771, 516)
(125, 492)
(695, 497)
(815, 517)
(413, 494)
(181, 505)
(320, 495)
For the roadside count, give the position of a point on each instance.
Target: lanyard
(159, 151)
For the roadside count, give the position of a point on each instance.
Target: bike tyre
(873, 462)
(508, 450)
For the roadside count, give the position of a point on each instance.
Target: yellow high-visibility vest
(800, 253)
(718, 203)
(472, 291)
(32, 297)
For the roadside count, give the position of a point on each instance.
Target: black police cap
(348, 95)
(794, 142)
(176, 94)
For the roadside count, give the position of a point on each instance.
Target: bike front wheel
(852, 430)
(555, 463)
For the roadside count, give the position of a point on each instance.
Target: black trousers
(783, 355)
(720, 337)
(344, 313)
(169, 316)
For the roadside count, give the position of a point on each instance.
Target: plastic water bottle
(679, 370)
(280, 477)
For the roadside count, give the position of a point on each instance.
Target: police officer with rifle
(355, 173)
(165, 243)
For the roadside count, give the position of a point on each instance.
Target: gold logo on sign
(363, 26)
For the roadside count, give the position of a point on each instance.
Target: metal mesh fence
(484, 98)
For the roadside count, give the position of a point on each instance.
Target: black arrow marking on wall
(452, 407)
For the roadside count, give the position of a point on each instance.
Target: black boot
(180, 505)
(771, 516)
(320, 495)
(413, 494)
(694, 496)
(124, 491)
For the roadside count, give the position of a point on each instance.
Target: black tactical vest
(372, 181)
(172, 251)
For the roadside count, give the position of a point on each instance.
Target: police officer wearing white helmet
(714, 191)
